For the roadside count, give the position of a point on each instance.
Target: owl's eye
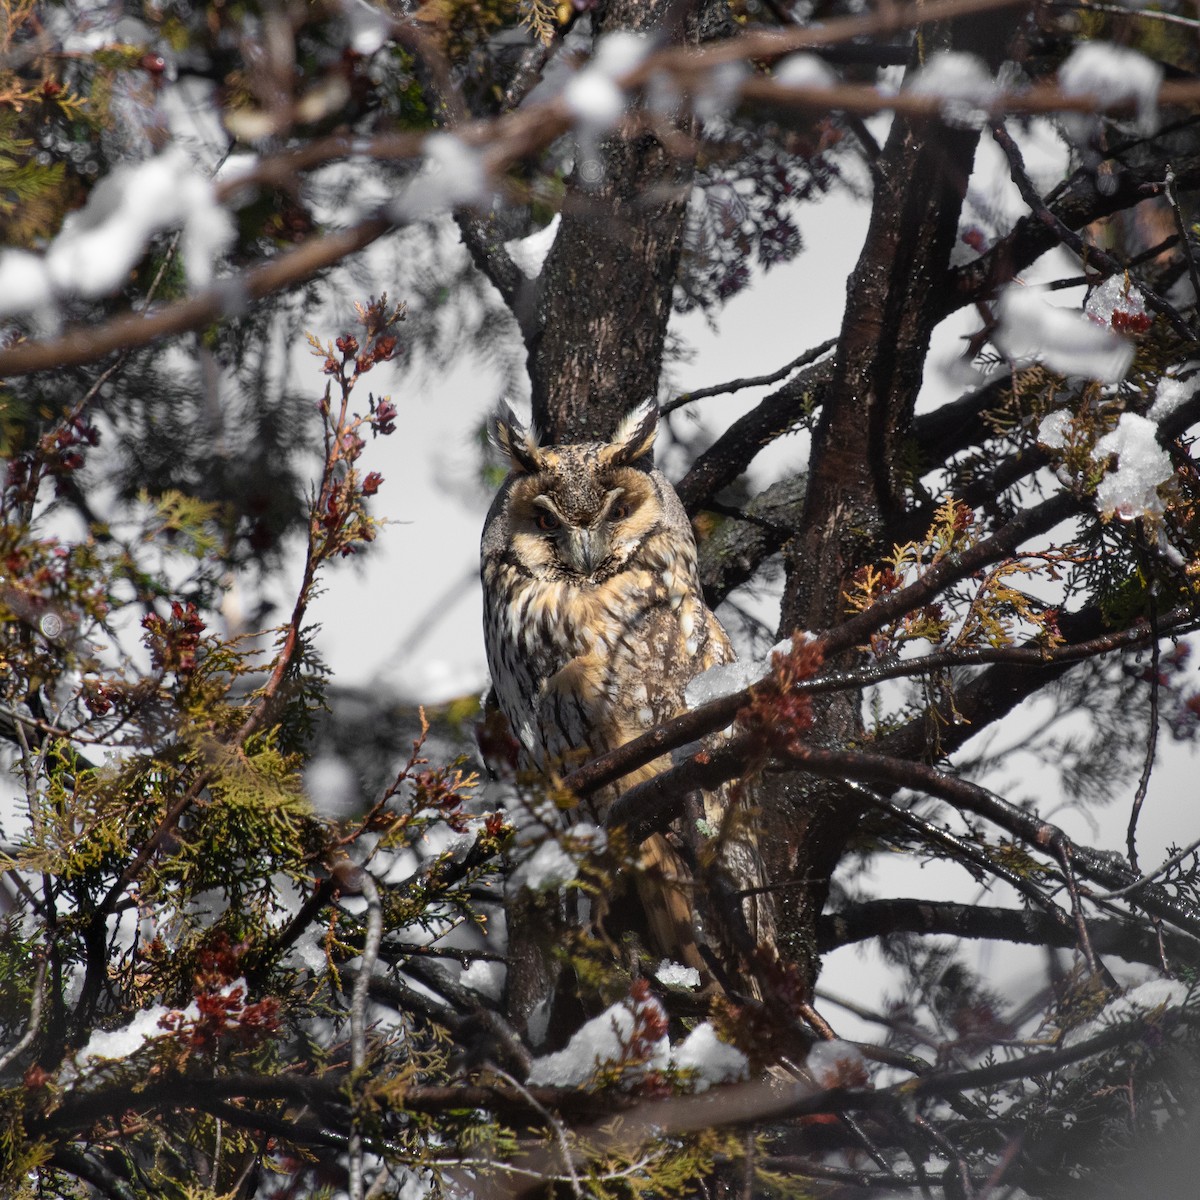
(547, 522)
(620, 511)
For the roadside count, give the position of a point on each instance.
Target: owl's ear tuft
(518, 444)
(635, 435)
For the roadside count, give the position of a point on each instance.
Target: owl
(595, 623)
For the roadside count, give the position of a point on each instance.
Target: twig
(1145, 14)
(1085, 941)
(555, 1125)
(1161, 869)
(358, 1022)
(1181, 228)
(35, 1016)
(1139, 796)
(736, 385)
(1069, 238)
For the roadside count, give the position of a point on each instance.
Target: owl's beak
(585, 549)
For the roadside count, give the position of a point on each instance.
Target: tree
(210, 988)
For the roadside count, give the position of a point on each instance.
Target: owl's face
(581, 512)
(567, 521)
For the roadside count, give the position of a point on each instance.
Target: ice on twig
(835, 1063)
(1114, 75)
(1032, 330)
(1130, 489)
(1118, 304)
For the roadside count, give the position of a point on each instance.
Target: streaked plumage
(595, 622)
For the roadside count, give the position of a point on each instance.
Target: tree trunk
(607, 283)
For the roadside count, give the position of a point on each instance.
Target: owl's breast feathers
(582, 667)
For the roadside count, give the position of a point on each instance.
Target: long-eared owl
(595, 623)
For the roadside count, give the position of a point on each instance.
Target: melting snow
(675, 975)
(1131, 489)
(1052, 432)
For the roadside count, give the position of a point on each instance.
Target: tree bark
(607, 282)
(856, 492)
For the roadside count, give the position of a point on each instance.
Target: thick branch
(882, 918)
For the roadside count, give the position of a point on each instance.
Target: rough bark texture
(607, 282)
(855, 495)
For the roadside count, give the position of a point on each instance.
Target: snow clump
(1052, 431)
(675, 975)
(593, 95)
(805, 70)
(100, 244)
(1130, 490)
(1113, 75)
(1150, 997)
(627, 1036)
(1173, 392)
(712, 1060)
(963, 82)
(452, 176)
(1032, 330)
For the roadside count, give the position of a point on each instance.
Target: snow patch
(115, 1044)
(721, 680)
(605, 1042)
(452, 176)
(1052, 431)
(1140, 1001)
(675, 975)
(100, 244)
(712, 1060)
(1113, 75)
(529, 253)
(1171, 394)
(1032, 330)
(602, 1041)
(1130, 490)
(805, 70)
(964, 84)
